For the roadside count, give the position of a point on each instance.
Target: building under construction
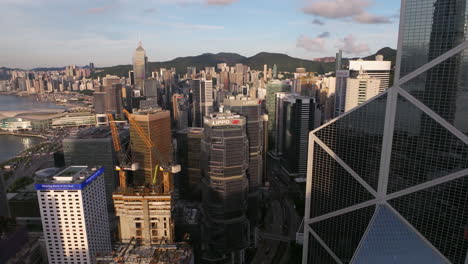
(145, 215)
(134, 253)
(224, 162)
(156, 125)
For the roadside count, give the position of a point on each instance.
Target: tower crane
(125, 164)
(163, 165)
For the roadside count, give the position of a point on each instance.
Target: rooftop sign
(69, 186)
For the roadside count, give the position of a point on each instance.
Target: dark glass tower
(251, 110)
(225, 186)
(388, 181)
(296, 116)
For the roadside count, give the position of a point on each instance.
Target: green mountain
(284, 63)
(388, 53)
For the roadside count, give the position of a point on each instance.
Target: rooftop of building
(24, 194)
(95, 132)
(142, 191)
(180, 253)
(149, 111)
(241, 100)
(73, 177)
(292, 97)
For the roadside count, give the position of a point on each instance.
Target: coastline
(22, 135)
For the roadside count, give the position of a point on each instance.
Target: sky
(55, 33)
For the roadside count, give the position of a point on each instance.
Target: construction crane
(163, 164)
(125, 164)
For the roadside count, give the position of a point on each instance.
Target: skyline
(106, 32)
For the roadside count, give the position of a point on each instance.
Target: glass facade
(400, 245)
(224, 161)
(402, 156)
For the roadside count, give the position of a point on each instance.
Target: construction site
(133, 253)
(143, 203)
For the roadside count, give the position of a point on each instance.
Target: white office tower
(378, 69)
(361, 89)
(74, 215)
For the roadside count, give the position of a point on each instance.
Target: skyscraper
(139, 66)
(156, 124)
(387, 181)
(378, 69)
(94, 147)
(296, 115)
(360, 89)
(251, 110)
(273, 87)
(189, 148)
(225, 187)
(202, 90)
(74, 215)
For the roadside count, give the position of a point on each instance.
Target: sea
(11, 145)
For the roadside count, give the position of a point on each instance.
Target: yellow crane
(163, 165)
(125, 163)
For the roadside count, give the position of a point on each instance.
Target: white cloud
(181, 25)
(220, 2)
(351, 46)
(310, 44)
(98, 10)
(336, 9)
(366, 18)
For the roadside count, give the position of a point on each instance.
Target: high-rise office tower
(180, 109)
(189, 148)
(275, 71)
(94, 147)
(360, 89)
(202, 90)
(131, 77)
(388, 180)
(378, 69)
(338, 62)
(156, 124)
(296, 116)
(272, 88)
(340, 95)
(139, 66)
(225, 187)
(251, 110)
(74, 215)
(151, 88)
(114, 101)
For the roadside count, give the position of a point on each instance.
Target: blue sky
(62, 32)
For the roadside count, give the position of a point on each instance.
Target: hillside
(284, 63)
(256, 62)
(388, 53)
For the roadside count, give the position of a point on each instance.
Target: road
(281, 220)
